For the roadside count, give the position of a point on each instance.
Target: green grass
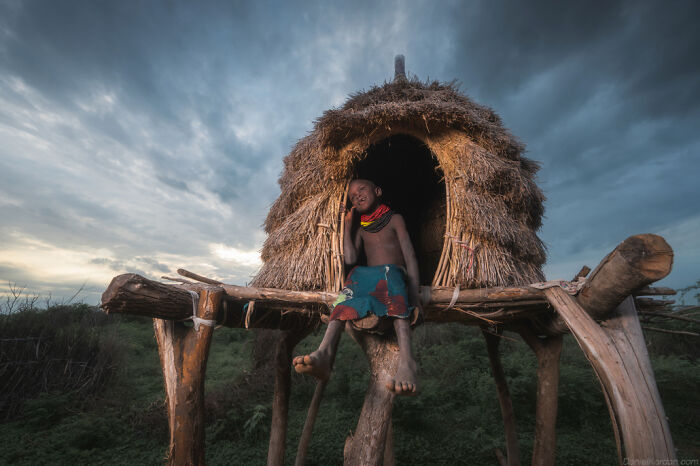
(455, 420)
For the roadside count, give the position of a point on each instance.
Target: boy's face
(364, 195)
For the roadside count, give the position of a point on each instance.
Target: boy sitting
(387, 286)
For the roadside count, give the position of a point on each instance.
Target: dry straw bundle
(492, 205)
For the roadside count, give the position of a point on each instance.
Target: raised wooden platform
(598, 310)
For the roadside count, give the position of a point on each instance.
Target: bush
(65, 348)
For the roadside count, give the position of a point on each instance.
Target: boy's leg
(320, 362)
(405, 382)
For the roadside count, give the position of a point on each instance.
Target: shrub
(65, 348)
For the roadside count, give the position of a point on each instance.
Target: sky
(144, 136)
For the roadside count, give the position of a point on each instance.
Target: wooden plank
(618, 355)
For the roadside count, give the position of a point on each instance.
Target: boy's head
(364, 195)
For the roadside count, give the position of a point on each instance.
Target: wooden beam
(633, 264)
(655, 291)
(271, 295)
(134, 294)
(617, 352)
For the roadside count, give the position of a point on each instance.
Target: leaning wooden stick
(305, 438)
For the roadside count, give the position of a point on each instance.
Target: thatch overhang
(446, 163)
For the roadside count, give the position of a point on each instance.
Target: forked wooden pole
(366, 446)
(617, 351)
(183, 356)
(512, 447)
(548, 352)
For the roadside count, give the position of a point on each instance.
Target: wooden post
(366, 446)
(548, 352)
(617, 351)
(183, 357)
(280, 401)
(507, 413)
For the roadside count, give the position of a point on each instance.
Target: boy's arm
(351, 245)
(409, 256)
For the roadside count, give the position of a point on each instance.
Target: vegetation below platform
(79, 387)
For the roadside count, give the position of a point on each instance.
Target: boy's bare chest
(382, 247)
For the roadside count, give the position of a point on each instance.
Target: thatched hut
(445, 163)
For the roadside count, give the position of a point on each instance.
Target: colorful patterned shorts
(379, 290)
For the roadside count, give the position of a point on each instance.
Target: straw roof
(493, 205)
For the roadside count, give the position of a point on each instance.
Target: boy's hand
(418, 315)
(350, 214)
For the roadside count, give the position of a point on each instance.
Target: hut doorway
(413, 185)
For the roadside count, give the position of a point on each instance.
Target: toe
(307, 359)
(390, 385)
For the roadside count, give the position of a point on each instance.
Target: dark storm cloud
(150, 135)
(605, 94)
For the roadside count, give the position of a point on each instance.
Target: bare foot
(317, 364)
(405, 382)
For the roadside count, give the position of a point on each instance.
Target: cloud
(150, 136)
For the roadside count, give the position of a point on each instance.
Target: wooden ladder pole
(183, 355)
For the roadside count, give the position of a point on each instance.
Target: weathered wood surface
(271, 295)
(548, 352)
(655, 291)
(280, 399)
(366, 446)
(133, 294)
(504, 399)
(183, 355)
(617, 352)
(635, 263)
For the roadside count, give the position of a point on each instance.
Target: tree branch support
(183, 355)
(617, 351)
(366, 446)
